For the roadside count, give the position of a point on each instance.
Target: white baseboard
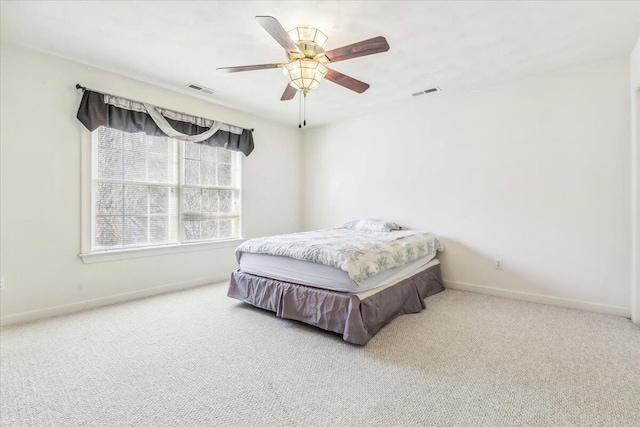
(30, 316)
(543, 299)
(44, 313)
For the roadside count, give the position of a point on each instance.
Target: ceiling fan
(306, 58)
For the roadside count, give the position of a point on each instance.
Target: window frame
(89, 256)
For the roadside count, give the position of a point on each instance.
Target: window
(151, 191)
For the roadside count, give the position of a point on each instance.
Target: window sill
(119, 254)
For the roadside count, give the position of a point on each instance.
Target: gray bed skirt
(357, 320)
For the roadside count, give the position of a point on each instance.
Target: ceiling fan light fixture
(305, 59)
(308, 34)
(304, 74)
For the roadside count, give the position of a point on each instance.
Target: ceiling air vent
(201, 88)
(422, 92)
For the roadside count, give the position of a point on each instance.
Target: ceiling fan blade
(289, 93)
(366, 47)
(346, 81)
(247, 68)
(275, 29)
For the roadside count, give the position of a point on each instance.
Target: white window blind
(150, 191)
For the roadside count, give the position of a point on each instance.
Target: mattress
(323, 276)
(361, 254)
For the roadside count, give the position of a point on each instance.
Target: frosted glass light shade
(305, 74)
(300, 34)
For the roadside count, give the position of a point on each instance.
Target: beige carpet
(199, 358)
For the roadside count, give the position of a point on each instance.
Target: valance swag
(98, 109)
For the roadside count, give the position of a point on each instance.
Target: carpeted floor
(199, 358)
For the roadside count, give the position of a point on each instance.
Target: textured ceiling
(458, 46)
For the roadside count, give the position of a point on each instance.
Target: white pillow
(371, 225)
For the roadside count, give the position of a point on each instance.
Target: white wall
(40, 182)
(635, 181)
(536, 172)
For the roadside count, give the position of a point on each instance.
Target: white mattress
(323, 276)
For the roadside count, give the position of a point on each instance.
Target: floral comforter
(361, 254)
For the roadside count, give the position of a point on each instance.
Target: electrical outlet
(1, 283)
(498, 264)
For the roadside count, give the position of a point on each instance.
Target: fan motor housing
(310, 50)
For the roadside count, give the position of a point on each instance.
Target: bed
(352, 280)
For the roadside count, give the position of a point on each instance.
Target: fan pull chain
(299, 110)
(305, 109)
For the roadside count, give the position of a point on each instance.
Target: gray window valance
(98, 109)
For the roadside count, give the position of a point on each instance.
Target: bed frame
(344, 313)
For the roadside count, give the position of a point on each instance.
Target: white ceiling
(458, 46)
